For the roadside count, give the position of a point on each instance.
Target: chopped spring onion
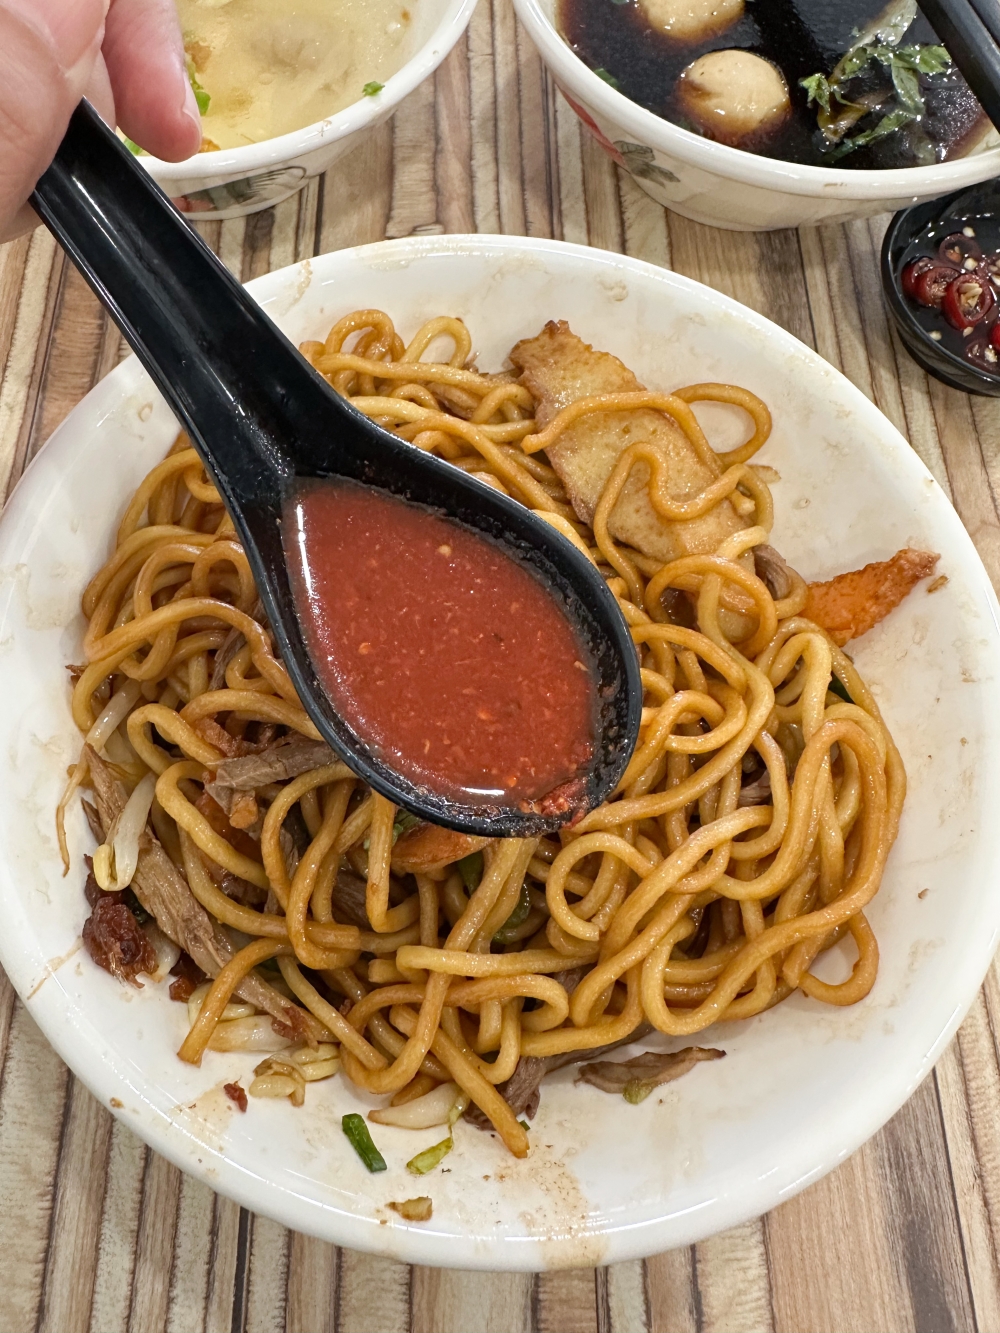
(403, 822)
(517, 918)
(430, 1157)
(360, 1140)
(471, 869)
(370, 89)
(637, 1091)
(838, 687)
(203, 98)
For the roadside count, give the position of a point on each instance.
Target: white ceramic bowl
(723, 186)
(234, 181)
(802, 1086)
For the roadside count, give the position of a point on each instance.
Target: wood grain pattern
(99, 1234)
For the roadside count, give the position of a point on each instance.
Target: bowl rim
(734, 163)
(624, 1240)
(284, 149)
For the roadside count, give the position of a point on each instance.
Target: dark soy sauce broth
(800, 37)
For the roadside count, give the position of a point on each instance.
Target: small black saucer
(904, 230)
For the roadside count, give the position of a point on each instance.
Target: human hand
(127, 58)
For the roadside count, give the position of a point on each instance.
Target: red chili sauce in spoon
(444, 654)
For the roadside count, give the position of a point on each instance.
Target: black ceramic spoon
(261, 418)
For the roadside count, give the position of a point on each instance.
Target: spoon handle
(199, 335)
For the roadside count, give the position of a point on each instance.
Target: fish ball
(733, 95)
(691, 20)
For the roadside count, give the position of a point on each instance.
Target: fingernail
(189, 107)
(73, 29)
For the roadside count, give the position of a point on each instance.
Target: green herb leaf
(895, 120)
(200, 95)
(361, 1141)
(925, 59)
(430, 1157)
(854, 61)
(519, 915)
(818, 88)
(838, 688)
(907, 86)
(403, 822)
(609, 79)
(471, 869)
(370, 89)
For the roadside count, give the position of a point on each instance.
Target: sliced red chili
(982, 352)
(912, 272)
(930, 286)
(968, 299)
(958, 247)
(995, 337)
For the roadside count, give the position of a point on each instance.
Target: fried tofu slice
(853, 603)
(557, 368)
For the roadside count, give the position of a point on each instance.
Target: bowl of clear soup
(286, 89)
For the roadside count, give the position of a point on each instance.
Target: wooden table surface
(97, 1232)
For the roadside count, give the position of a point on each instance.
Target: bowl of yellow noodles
(276, 1097)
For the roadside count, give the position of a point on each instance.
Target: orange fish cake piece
(853, 603)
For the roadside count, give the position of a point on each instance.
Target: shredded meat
(348, 899)
(219, 821)
(853, 603)
(244, 812)
(231, 645)
(289, 758)
(757, 792)
(164, 893)
(635, 1079)
(241, 890)
(295, 1025)
(523, 1089)
(94, 821)
(235, 1094)
(772, 569)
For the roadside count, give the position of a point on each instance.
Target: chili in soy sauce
(444, 654)
(951, 276)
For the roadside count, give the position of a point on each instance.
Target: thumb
(48, 50)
